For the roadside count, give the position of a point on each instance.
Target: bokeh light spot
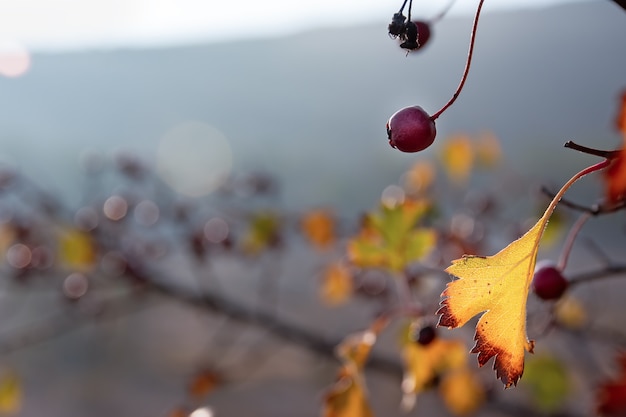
(14, 59)
(115, 208)
(194, 158)
(75, 286)
(19, 256)
(392, 195)
(216, 230)
(202, 412)
(147, 213)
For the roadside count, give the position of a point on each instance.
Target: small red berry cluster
(412, 129)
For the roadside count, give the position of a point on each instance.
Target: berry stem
(443, 12)
(571, 238)
(468, 63)
(402, 8)
(593, 168)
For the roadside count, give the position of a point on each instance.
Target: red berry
(548, 282)
(423, 33)
(411, 129)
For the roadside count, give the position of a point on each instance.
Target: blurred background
(294, 95)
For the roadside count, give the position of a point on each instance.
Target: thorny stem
(468, 63)
(571, 238)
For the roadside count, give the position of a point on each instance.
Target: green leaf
(547, 381)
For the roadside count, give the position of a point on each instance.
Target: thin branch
(273, 324)
(591, 151)
(609, 271)
(594, 210)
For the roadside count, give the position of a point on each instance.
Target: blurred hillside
(314, 106)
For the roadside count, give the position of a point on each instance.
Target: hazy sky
(64, 24)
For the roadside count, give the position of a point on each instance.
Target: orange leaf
(457, 157)
(497, 286)
(336, 284)
(615, 176)
(319, 227)
(203, 383)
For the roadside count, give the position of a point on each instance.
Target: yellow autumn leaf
(424, 362)
(347, 397)
(336, 285)
(457, 157)
(77, 249)
(264, 232)
(462, 392)
(10, 393)
(497, 286)
(319, 228)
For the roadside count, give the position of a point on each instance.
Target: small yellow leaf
(419, 177)
(488, 150)
(77, 249)
(497, 286)
(457, 157)
(10, 393)
(347, 397)
(264, 232)
(569, 312)
(424, 363)
(462, 392)
(336, 284)
(319, 228)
